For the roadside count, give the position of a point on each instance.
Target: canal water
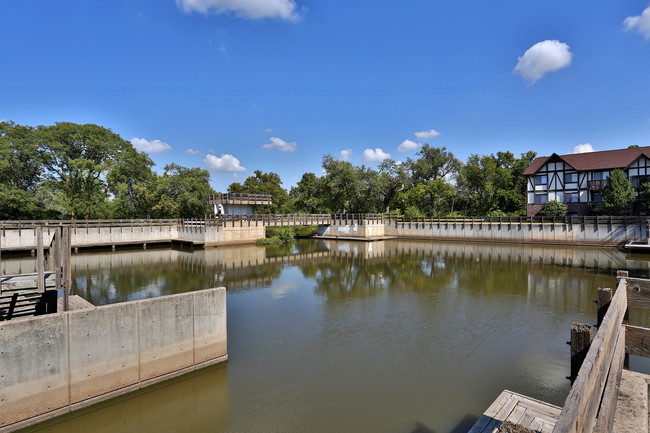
(333, 336)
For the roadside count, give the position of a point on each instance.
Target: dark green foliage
(263, 183)
(181, 193)
(617, 194)
(553, 208)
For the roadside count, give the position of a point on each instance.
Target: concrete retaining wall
(557, 233)
(355, 229)
(57, 363)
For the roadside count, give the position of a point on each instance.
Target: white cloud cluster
(281, 145)
(425, 135)
(252, 9)
(542, 58)
(376, 155)
(153, 146)
(345, 155)
(193, 151)
(639, 23)
(407, 145)
(583, 148)
(224, 163)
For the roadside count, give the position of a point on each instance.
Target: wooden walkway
(518, 409)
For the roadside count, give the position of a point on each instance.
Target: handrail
(581, 407)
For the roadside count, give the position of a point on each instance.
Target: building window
(541, 179)
(595, 196)
(571, 197)
(541, 198)
(570, 177)
(638, 181)
(600, 175)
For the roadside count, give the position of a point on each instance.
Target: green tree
(617, 194)
(76, 157)
(553, 208)
(433, 163)
(352, 189)
(181, 193)
(131, 182)
(20, 172)
(307, 195)
(263, 183)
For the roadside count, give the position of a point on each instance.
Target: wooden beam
(610, 394)
(637, 341)
(581, 338)
(40, 261)
(579, 412)
(638, 292)
(604, 299)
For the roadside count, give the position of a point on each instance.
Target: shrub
(553, 208)
(286, 235)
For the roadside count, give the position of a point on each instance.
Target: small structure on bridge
(237, 204)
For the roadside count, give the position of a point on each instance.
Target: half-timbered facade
(578, 179)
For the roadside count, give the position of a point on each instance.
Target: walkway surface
(518, 409)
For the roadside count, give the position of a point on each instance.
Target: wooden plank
(40, 261)
(23, 282)
(579, 413)
(637, 341)
(491, 412)
(638, 292)
(610, 394)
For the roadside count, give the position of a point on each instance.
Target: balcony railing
(596, 185)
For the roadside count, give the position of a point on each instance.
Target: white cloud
(345, 155)
(268, 130)
(192, 151)
(281, 145)
(376, 155)
(583, 148)
(153, 146)
(425, 135)
(542, 58)
(226, 162)
(252, 9)
(407, 145)
(640, 23)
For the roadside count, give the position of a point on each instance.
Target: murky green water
(333, 336)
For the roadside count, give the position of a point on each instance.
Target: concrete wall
(352, 229)
(25, 239)
(53, 364)
(558, 233)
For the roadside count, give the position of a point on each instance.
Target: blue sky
(242, 85)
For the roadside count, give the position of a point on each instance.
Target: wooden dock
(518, 409)
(605, 395)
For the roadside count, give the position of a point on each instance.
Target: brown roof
(604, 160)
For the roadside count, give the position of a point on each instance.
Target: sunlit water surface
(328, 336)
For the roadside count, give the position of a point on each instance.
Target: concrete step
(632, 406)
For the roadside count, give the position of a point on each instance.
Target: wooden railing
(591, 403)
(30, 224)
(27, 295)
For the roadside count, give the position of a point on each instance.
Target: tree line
(87, 171)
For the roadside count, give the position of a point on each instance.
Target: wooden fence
(27, 294)
(591, 403)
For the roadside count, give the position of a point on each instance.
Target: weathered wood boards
(581, 406)
(519, 409)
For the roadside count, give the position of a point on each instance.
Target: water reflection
(341, 336)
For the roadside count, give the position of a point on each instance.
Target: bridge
(215, 230)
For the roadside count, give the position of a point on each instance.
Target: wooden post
(604, 299)
(626, 317)
(2, 233)
(581, 337)
(57, 257)
(66, 267)
(40, 261)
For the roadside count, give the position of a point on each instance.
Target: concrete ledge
(54, 364)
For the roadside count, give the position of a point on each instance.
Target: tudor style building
(577, 179)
